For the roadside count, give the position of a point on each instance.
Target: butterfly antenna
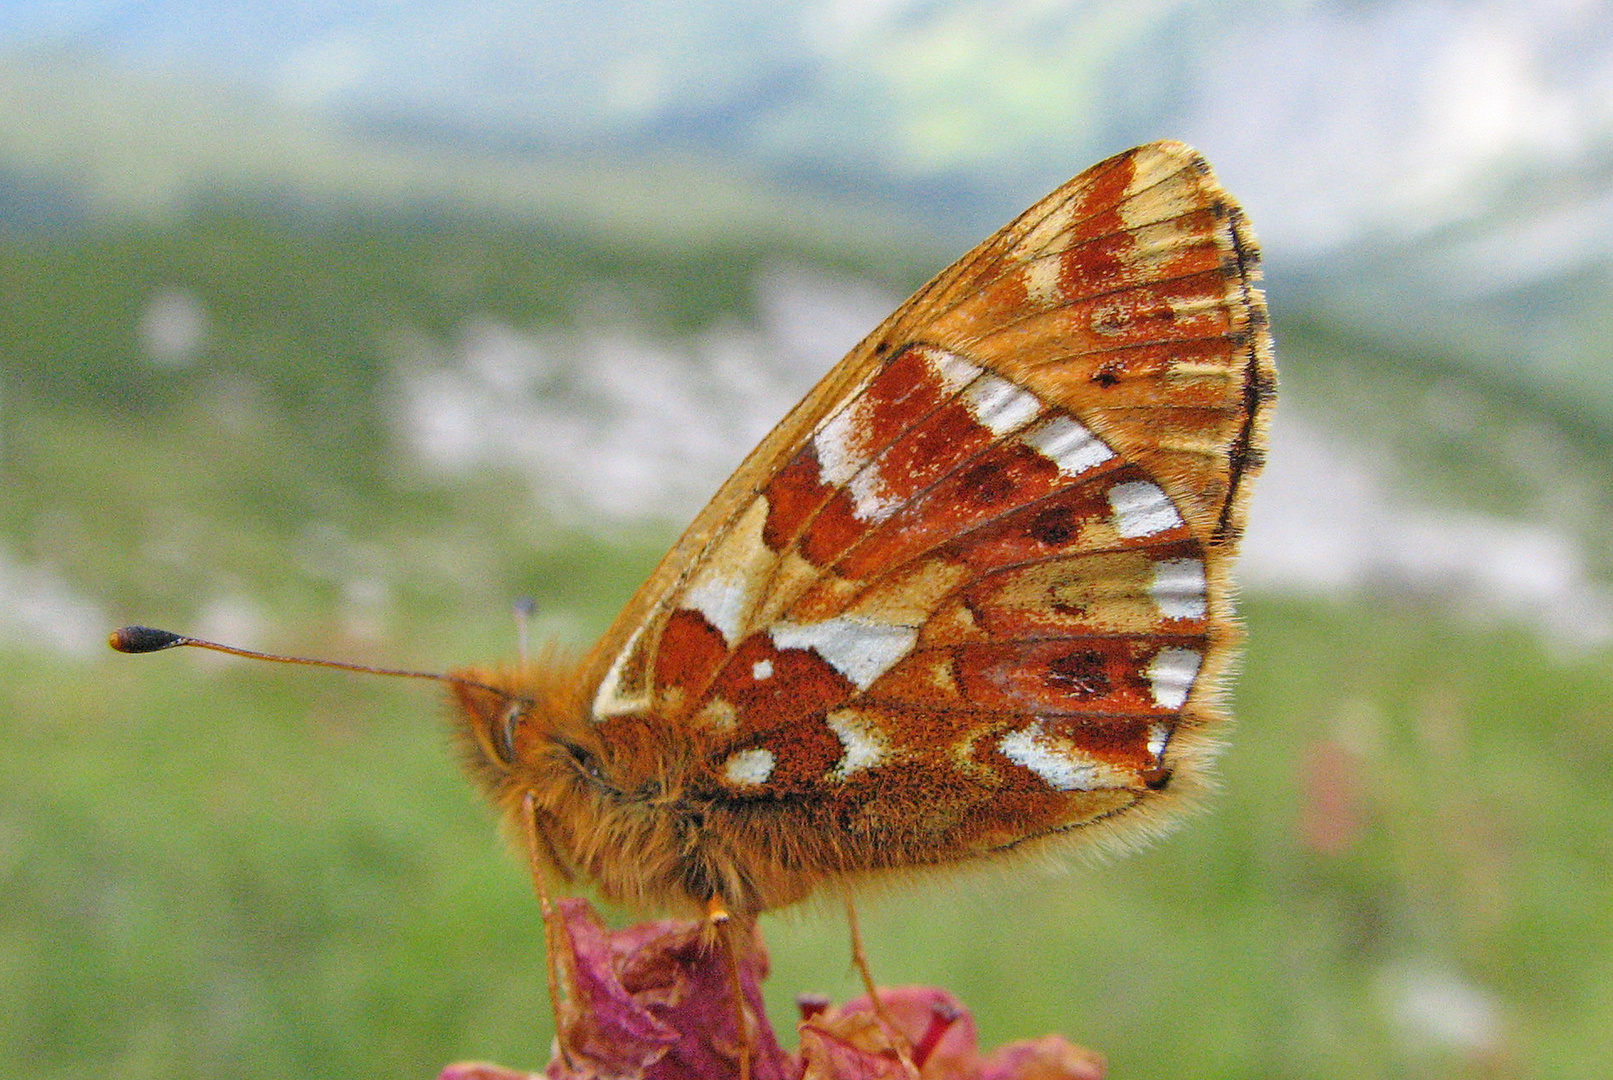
(144, 639)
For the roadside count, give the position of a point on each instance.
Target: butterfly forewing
(975, 588)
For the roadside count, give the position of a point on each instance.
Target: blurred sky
(1334, 121)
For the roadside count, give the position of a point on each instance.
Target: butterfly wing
(975, 588)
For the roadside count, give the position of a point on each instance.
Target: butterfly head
(599, 802)
(520, 732)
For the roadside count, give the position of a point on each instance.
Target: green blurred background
(334, 331)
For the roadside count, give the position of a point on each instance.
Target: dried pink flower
(1333, 811)
(480, 1070)
(654, 1002)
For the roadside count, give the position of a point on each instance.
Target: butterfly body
(971, 596)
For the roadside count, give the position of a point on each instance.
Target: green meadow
(216, 869)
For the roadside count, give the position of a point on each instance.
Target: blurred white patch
(173, 328)
(325, 69)
(1345, 122)
(502, 358)
(1437, 1007)
(637, 85)
(816, 316)
(38, 608)
(613, 418)
(233, 619)
(326, 552)
(1325, 518)
(838, 26)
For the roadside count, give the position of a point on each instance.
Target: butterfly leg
(556, 942)
(859, 960)
(721, 921)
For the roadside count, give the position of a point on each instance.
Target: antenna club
(142, 639)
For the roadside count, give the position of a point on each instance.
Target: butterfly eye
(585, 762)
(504, 734)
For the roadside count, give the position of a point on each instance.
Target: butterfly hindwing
(977, 582)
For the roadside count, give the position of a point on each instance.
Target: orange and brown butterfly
(971, 598)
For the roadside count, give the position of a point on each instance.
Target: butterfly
(971, 598)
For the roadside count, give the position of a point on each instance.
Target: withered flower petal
(655, 1002)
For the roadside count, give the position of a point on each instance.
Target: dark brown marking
(1014, 675)
(1119, 740)
(1052, 525)
(1157, 778)
(1080, 673)
(1052, 521)
(987, 483)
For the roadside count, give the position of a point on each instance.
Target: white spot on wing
(869, 499)
(864, 742)
(724, 589)
(1142, 508)
(1178, 588)
(1068, 444)
(609, 700)
(718, 713)
(860, 649)
(1061, 764)
(841, 445)
(749, 768)
(1041, 279)
(952, 371)
(762, 669)
(1046, 231)
(998, 405)
(1171, 676)
(722, 599)
(1158, 736)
